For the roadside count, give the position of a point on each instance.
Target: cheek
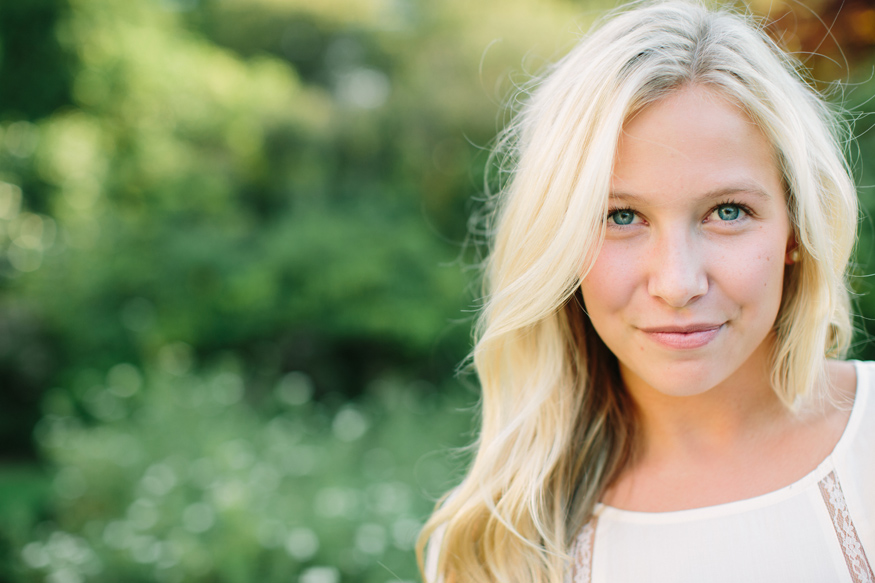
(751, 274)
(611, 282)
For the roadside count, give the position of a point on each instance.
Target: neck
(734, 414)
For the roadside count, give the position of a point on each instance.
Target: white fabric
(818, 529)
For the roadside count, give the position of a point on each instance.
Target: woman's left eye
(622, 216)
(728, 212)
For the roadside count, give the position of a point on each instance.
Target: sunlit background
(234, 284)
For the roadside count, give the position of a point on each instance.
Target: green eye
(622, 217)
(728, 212)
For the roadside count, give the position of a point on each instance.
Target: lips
(683, 337)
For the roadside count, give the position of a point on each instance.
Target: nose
(677, 270)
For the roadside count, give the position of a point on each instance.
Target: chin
(680, 379)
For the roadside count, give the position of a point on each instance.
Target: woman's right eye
(622, 216)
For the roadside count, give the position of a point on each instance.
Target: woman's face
(688, 283)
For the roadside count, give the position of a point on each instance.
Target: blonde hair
(557, 425)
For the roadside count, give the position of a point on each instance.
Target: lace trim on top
(581, 551)
(855, 555)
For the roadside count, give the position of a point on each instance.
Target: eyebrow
(710, 195)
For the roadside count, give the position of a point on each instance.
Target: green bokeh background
(234, 279)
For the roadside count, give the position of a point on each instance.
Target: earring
(794, 255)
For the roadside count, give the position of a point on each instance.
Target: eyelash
(743, 207)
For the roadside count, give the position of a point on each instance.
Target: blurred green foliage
(183, 480)
(231, 249)
(232, 283)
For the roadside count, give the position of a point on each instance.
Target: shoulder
(842, 379)
(864, 373)
(852, 392)
(854, 457)
(848, 384)
(852, 384)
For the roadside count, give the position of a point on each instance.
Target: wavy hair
(557, 425)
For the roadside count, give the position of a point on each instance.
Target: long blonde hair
(557, 425)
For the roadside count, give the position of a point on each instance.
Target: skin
(685, 292)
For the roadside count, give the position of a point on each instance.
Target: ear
(792, 255)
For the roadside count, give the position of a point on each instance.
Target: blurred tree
(34, 69)
(214, 197)
(834, 38)
(34, 82)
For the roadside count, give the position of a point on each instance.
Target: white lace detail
(855, 555)
(581, 553)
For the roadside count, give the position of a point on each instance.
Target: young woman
(667, 305)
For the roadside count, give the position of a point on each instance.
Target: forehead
(692, 143)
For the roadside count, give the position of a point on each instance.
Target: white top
(818, 529)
